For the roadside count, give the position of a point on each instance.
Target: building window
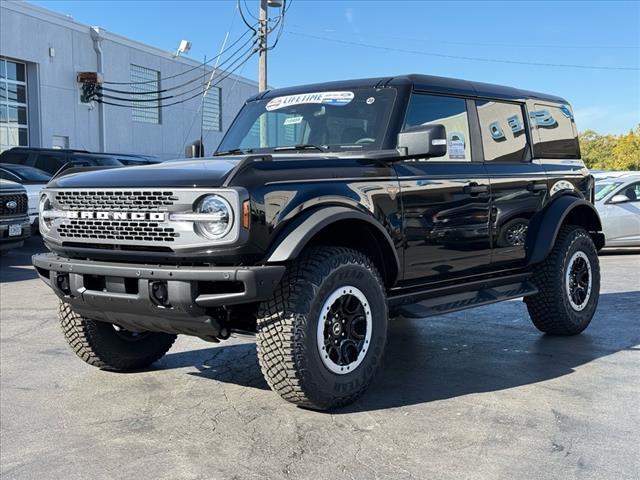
(503, 131)
(146, 82)
(14, 129)
(211, 110)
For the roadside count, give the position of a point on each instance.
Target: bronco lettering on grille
(153, 216)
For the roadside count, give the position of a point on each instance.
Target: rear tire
(322, 335)
(105, 346)
(568, 282)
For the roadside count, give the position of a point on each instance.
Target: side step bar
(452, 302)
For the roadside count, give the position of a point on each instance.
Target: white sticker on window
(293, 120)
(337, 99)
(456, 149)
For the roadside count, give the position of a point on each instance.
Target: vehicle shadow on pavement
(237, 364)
(16, 266)
(493, 348)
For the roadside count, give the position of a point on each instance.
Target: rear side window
(50, 163)
(14, 157)
(555, 134)
(448, 111)
(504, 137)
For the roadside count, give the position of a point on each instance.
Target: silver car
(618, 203)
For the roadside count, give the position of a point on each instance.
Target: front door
(445, 200)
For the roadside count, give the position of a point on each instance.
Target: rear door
(445, 200)
(518, 184)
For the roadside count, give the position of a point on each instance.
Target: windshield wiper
(233, 151)
(303, 146)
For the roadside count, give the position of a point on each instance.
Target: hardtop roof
(427, 83)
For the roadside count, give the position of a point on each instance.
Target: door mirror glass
(619, 199)
(423, 141)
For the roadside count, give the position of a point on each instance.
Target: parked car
(53, 160)
(33, 180)
(618, 203)
(14, 221)
(605, 174)
(326, 210)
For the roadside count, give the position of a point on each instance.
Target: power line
(331, 30)
(460, 57)
(196, 79)
(227, 74)
(188, 70)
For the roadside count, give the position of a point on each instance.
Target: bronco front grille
(21, 201)
(117, 230)
(143, 200)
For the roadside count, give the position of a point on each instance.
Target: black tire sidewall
(326, 385)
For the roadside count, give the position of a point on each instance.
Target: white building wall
(28, 32)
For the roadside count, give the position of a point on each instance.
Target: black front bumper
(123, 293)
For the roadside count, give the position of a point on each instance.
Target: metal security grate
(21, 201)
(149, 201)
(117, 230)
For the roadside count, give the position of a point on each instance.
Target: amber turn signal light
(246, 213)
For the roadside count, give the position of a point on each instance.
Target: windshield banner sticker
(337, 99)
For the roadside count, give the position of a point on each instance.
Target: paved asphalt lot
(472, 395)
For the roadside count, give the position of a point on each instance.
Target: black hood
(210, 172)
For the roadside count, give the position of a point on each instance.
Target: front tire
(321, 337)
(106, 346)
(568, 283)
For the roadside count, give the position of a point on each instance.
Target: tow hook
(159, 293)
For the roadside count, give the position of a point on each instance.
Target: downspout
(97, 46)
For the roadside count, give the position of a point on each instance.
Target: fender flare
(292, 241)
(544, 227)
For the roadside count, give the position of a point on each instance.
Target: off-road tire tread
(85, 339)
(282, 326)
(546, 308)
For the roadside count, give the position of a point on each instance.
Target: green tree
(611, 152)
(626, 153)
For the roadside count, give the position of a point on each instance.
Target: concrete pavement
(479, 394)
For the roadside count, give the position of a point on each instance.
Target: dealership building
(41, 101)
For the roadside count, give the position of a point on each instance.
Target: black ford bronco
(327, 210)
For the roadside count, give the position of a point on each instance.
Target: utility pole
(262, 67)
(262, 45)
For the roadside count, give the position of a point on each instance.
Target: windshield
(344, 120)
(603, 189)
(28, 174)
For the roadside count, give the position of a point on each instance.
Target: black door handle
(474, 189)
(536, 186)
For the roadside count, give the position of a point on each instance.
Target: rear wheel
(569, 284)
(322, 335)
(110, 347)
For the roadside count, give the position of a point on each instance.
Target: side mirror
(423, 141)
(619, 199)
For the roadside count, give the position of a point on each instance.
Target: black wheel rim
(578, 280)
(344, 330)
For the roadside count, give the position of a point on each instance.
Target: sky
(482, 41)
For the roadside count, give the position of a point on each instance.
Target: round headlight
(44, 206)
(220, 216)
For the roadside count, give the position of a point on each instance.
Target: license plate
(15, 230)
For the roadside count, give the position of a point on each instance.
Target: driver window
(632, 192)
(448, 111)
